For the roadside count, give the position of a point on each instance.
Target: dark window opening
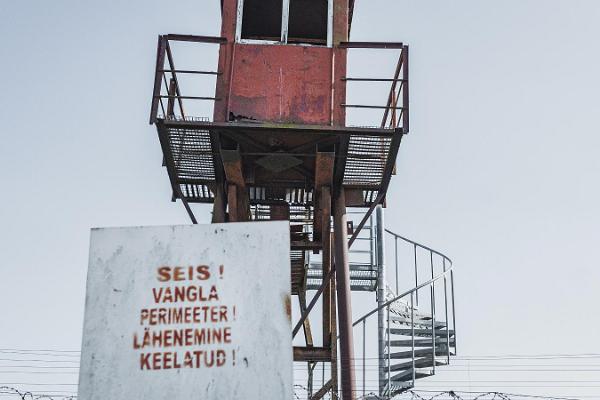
(261, 19)
(308, 21)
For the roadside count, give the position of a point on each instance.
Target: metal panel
(282, 83)
(177, 311)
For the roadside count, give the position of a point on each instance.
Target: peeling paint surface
(289, 84)
(224, 329)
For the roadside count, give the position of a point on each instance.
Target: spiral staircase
(417, 344)
(416, 329)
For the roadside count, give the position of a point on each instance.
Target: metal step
(439, 351)
(422, 321)
(420, 332)
(407, 375)
(396, 388)
(424, 362)
(317, 266)
(354, 286)
(421, 342)
(363, 277)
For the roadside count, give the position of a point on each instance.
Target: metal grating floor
(363, 277)
(192, 154)
(190, 159)
(366, 160)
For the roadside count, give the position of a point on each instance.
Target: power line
(48, 361)
(32, 353)
(46, 350)
(37, 366)
(500, 393)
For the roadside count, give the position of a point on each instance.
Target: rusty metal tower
(278, 146)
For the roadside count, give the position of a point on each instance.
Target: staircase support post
(342, 272)
(381, 293)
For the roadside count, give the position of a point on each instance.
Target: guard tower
(278, 147)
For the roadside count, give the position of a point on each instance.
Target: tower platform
(278, 159)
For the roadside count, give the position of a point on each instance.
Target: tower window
(284, 21)
(308, 21)
(262, 19)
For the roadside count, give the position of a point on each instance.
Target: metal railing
(395, 111)
(168, 99)
(166, 83)
(409, 302)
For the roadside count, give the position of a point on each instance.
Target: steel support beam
(342, 267)
(324, 164)
(237, 197)
(312, 354)
(381, 293)
(219, 206)
(306, 324)
(326, 261)
(323, 391)
(334, 346)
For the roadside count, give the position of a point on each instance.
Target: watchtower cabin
(278, 146)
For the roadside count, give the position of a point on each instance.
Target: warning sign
(188, 312)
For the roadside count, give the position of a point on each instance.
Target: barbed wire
(417, 394)
(28, 395)
(411, 394)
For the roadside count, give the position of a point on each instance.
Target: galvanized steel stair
(412, 339)
(363, 269)
(415, 328)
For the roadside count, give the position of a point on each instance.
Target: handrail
(165, 54)
(395, 110)
(440, 342)
(419, 245)
(387, 303)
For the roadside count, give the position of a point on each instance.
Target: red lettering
(156, 361)
(220, 358)
(167, 360)
(144, 361)
(203, 272)
(164, 274)
(178, 274)
(157, 294)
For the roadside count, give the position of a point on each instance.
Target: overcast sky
(500, 171)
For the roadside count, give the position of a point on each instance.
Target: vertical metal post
(333, 366)
(416, 274)
(412, 336)
(309, 388)
(446, 311)
(405, 97)
(389, 354)
(342, 268)
(284, 21)
(453, 310)
(396, 261)
(171, 100)
(381, 294)
(363, 354)
(372, 249)
(160, 63)
(432, 313)
(326, 261)
(219, 205)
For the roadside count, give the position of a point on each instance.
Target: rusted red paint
(279, 83)
(287, 301)
(290, 84)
